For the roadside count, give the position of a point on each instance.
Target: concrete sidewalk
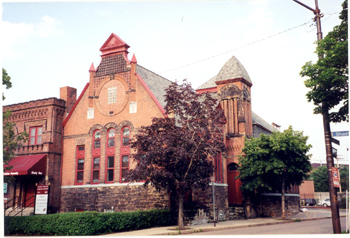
(171, 230)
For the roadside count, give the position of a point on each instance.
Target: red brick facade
(47, 114)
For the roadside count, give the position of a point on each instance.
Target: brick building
(37, 162)
(120, 96)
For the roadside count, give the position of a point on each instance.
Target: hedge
(87, 223)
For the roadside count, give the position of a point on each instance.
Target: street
(323, 226)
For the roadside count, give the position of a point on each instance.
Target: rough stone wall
(118, 198)
(270, 206)
(204, 212)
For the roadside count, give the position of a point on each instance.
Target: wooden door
(30, 195)
(235, 196)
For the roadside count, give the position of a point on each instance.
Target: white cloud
(17, 34)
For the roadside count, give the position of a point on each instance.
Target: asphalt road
(323, 226)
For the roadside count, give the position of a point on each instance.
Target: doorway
(235, 196)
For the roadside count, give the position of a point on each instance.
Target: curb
(275, 222)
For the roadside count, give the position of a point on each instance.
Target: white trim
(103, 185)
(219, 184)
(280, 194)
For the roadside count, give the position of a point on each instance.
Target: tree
(173, 152)
(320, 178)
(328, 78)
(274, 162)
(6, 81)
(11, 139)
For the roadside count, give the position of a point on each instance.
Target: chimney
(69, 95)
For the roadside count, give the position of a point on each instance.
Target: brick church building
(89, 162)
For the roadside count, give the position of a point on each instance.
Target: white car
(325, 203)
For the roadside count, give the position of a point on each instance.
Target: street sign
(335, 173)
(335, 141)
(340, 133)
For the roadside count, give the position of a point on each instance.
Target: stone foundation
(116, 197)
(270, 205)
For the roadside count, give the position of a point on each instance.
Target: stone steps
(28, 211)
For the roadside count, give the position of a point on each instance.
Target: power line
(248, 44)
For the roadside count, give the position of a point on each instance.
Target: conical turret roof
(232, 69)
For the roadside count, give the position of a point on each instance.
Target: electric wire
(248, 44)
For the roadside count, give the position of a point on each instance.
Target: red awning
(27, 165)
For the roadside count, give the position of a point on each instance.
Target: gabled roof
(156, 83)
(232, 69)
(259, 121)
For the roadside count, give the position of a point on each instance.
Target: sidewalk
(171, 230)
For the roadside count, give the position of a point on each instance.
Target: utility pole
(327, 134)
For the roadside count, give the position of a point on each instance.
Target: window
(35, 135)
(96, 170)
(97, 140)
(90, 113)
(110, 155)
(110, 169)
(133, 107)
(112, 95)
(80, 164)
(125, 154)
(96, 155)
(111, 137)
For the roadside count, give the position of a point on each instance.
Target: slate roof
(259, 121)
(156, 83)
(232, 69)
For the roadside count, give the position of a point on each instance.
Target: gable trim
(75, 105)
(151, 94)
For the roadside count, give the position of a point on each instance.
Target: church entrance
(234, 193)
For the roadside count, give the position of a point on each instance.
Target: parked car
(325, 203)
(308, 202)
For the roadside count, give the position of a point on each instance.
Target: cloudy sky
(48, 45)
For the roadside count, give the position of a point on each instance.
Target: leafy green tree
(173, 152)
(320, 178)
(328, 78)
(274, 162)
(11, 139)
(6, 81)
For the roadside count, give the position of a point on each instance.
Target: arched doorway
(234, 193)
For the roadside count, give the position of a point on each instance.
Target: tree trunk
(181, 212)
(283, 202)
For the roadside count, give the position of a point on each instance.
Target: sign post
(335, 173)
(41, 199)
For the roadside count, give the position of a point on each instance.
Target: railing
(22, 206)
(13, 200)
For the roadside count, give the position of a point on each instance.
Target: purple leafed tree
(174, 153)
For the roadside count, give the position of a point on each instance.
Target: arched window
(96, 154)
(110, 155)
(124, 154)
(80, 164)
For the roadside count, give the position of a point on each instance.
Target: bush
(87, 223)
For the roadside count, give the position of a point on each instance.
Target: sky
(48, 45)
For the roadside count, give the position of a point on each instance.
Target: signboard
(335, 141)
(5, 187)
(334, 152)
(41, 199)
(335, 173)
(340, 133)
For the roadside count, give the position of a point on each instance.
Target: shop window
(80, 164)
(35, 135)
(125, 154)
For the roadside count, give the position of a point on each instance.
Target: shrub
(87, 223)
